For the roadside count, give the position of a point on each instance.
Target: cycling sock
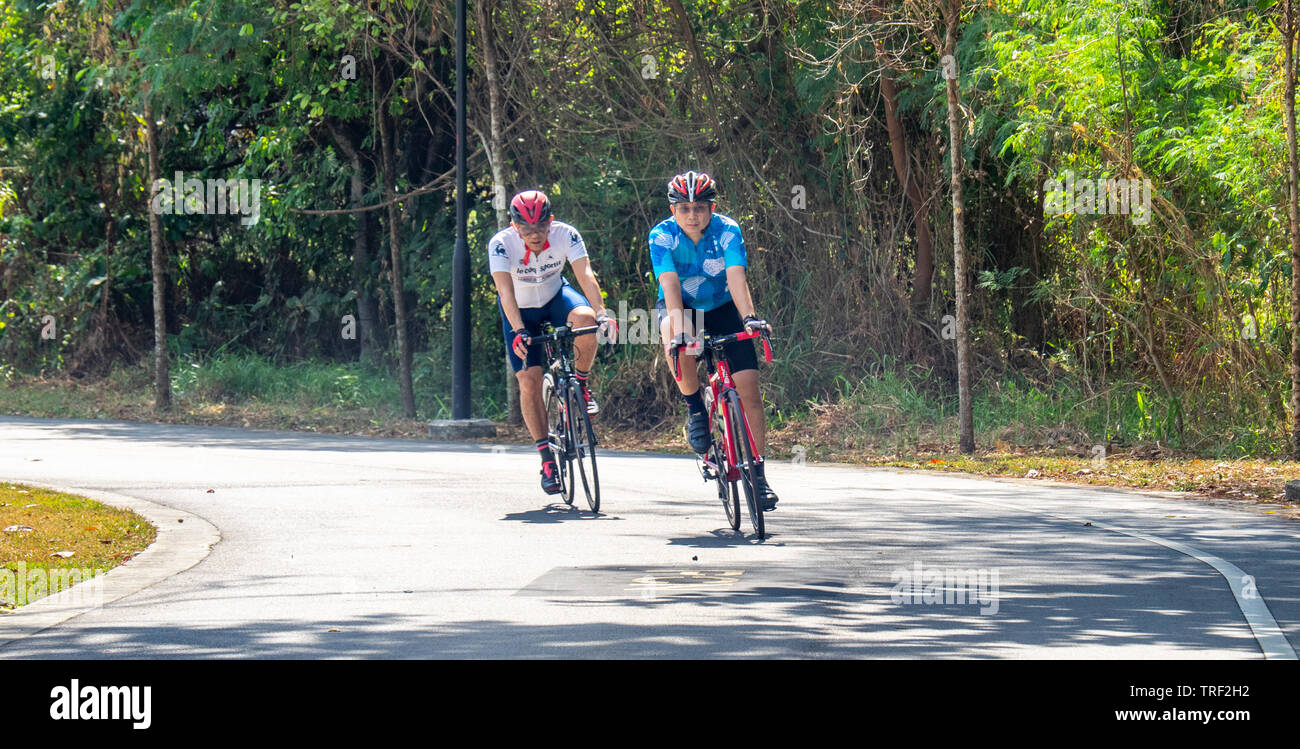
(580, 376)
(544, 447)
(695, 401)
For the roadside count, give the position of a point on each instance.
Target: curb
(177, 547)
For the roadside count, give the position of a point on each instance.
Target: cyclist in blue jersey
(527, 260)
(699, 259)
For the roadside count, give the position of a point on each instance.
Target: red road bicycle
(730, 459)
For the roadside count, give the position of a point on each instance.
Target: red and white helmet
(690, 187)
(530, 207)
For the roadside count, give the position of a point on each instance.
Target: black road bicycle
(568, 425)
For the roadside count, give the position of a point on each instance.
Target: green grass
(67, 533)
(907, 410)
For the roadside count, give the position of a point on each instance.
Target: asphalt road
(335, 547)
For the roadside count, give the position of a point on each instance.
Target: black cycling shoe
(551, 478)
(766, 496)
(697, 433)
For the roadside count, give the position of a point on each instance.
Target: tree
(1289, 35)
(948, 12)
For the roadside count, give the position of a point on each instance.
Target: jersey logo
(499, 249)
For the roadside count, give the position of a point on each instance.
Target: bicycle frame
(557, 343)
(720, 382)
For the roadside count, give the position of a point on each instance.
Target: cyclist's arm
(587, 281)
(671, 283)
(738, 285)
(506, 290)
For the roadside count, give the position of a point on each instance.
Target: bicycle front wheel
(585, 448)
(728, 493)
(558, 434)
(740, 441)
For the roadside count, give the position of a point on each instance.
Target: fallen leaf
(333, 630)
(936, 461)
(1032, 473)
(63, 554)
(211, 491)
(180, 520)
(1089, 524)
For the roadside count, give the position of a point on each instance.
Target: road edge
(184, 539)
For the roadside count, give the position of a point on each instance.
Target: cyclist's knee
(581, 317)
(530, 380)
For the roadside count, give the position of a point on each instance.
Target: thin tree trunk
(924, 271)
(1293, 220)
(960, 265)
(161, 379)
(496, 158)
(366, 313)
(395, 243)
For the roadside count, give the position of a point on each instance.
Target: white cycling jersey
(537, 276)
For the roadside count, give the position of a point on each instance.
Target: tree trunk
(924, 270)
(1293, 221)
(960, 265)
(161, 379)
(395, 243)
(496, 158)
(367, 317)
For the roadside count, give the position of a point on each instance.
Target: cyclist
(527, 259)
(699, 259)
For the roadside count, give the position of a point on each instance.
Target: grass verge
(46, 537)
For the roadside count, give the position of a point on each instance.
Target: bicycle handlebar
(561, 333)
(719, 343)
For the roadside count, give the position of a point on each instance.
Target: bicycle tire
(728, 493)
(584, 447)
(735, 415)
(558, 435)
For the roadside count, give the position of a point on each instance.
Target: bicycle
(730, 460)
(568, 425)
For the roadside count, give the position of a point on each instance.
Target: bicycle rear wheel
(558, 434)
(746, 455)
(584, 445)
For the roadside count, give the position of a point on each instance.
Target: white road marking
(1262, 624)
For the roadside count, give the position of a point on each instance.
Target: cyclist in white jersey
(527, 263)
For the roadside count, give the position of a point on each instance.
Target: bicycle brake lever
(767, 351)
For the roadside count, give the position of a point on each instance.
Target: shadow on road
(556, 513)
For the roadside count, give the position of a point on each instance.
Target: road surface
(308, 546)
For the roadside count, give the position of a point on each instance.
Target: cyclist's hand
(754, 325)
(610, 325)
(521, 342)
(687, 345)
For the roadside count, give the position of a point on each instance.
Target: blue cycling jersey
(701, 266)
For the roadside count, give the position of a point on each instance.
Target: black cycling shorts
(723, 320)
